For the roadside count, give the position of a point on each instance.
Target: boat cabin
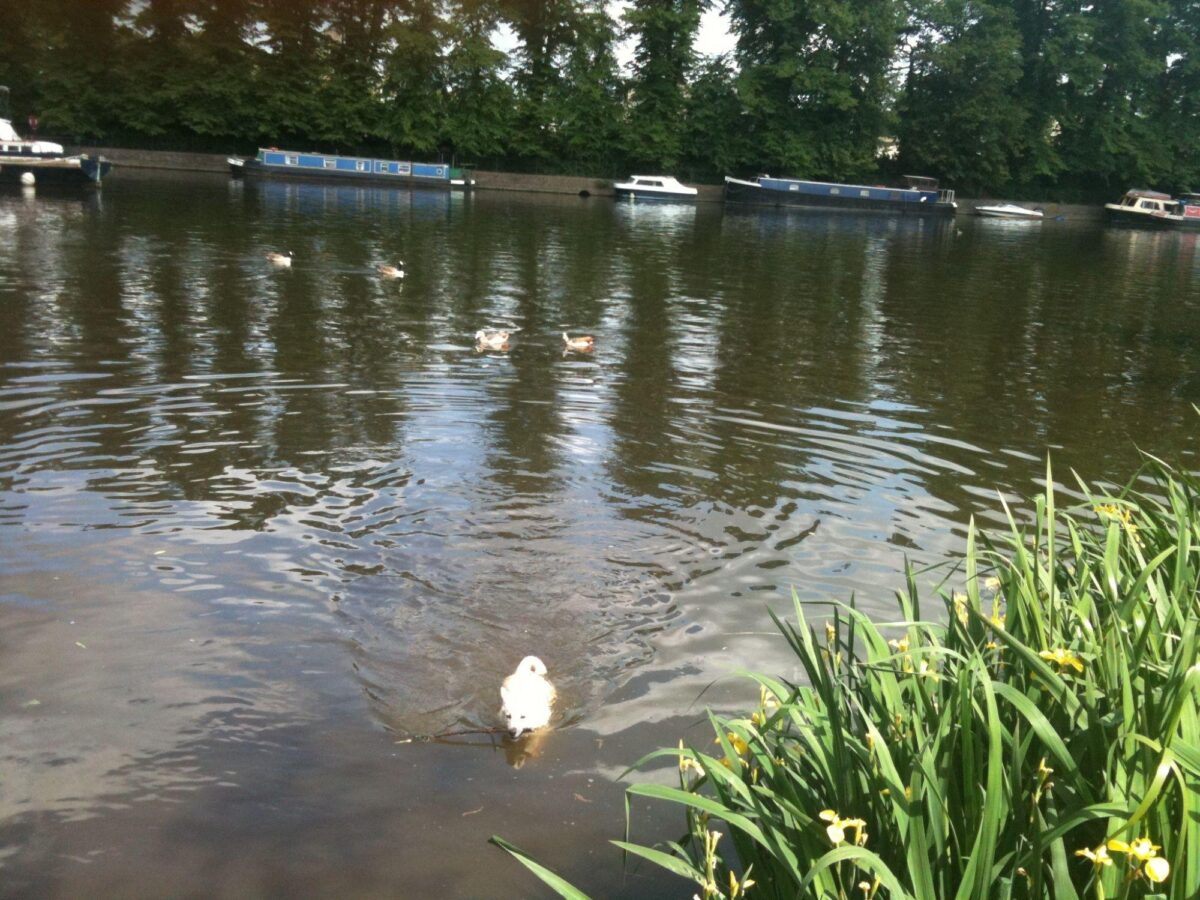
(1149, 203)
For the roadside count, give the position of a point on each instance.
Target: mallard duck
(492, 340)
(280, 259)
(582, 342)
(396, 271)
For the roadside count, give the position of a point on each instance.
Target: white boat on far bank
(1009, 211)
(655, 187)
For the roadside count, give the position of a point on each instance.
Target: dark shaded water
(257, 525)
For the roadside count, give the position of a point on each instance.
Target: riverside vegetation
(1052, 99)
(1038, 738)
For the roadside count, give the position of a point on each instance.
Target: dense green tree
(21, 55)
(81, 49)
(220, 98)
(154, 71)
(544, 30)
(664, 31)
(1041, 97)
(292, 68)
(414, 79)
(960, 115)
(479, 101)
(1178, 113)
(814, 81)
(1109, 136)
(587, 100)
(714, 141)
(348, 111)
(1049, 37)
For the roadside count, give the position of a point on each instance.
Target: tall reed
(1037, 738)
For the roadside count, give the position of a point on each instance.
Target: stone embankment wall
(523, 183)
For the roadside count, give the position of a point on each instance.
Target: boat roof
(1149, 195)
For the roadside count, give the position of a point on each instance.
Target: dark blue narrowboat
(274, 163)
(919, 197)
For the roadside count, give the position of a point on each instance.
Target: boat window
(1147, 204)
(835, 190)
(360, 165)
(864, 193)
(291, 160)
(331, 163)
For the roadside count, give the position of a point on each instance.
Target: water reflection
(294, 512)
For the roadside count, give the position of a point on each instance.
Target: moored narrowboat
(275, 163)
(920, 197)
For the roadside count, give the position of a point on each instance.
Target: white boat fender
(27, 179)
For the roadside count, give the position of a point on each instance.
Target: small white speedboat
(1008, 211)
(655, 187)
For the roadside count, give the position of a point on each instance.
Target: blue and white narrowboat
(919, 197)
(275, 163)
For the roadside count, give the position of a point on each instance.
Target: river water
(259, 525)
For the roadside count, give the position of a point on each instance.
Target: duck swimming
(584, 342)
(396, 271)
(280, 259)
(492, 340)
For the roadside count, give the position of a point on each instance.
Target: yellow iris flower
(1099, 856)
(836, 829)
(1154, 867)
(1062, 658)
(1157, 869)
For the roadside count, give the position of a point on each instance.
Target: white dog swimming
(527, 697)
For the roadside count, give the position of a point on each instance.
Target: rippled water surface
(258, 525)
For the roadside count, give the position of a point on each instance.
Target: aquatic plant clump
(1038, 738)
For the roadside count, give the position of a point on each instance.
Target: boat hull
(1013, 213)
(66, 170)
(643, 195)
(1129, 218)
(737, 191)
(438, 178)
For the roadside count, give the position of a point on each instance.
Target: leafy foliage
(961, 115)
(1041, 739)
(1047, 98)
(662, 63)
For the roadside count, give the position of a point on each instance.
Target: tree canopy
(1038, 98)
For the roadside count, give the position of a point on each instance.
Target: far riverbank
(577, 185)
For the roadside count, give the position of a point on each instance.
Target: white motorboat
(655, 187)
(1009, 211)
(44, 162)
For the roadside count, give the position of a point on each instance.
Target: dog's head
(520, 714)
(531, 665)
